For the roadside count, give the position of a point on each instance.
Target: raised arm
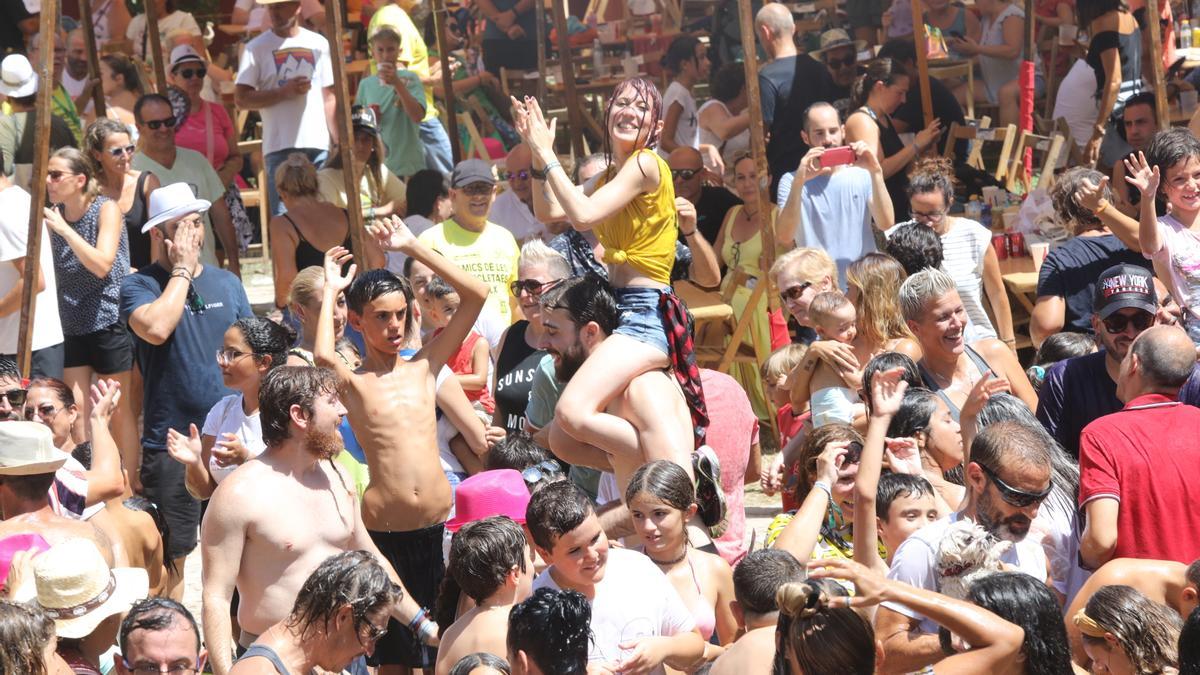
(801, 534)
(105, 480)
(887, 391)
(1094, 197)
(883, 214)
(1146, 179)
(155, 321)
(325, 344)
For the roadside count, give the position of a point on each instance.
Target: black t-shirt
(783, 107)
(12, 40)
(515, 366)
(711, 208)
(945, 108)
(1071, 270)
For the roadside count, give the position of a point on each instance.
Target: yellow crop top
(644, 232)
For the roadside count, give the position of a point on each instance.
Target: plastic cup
(1038, 252)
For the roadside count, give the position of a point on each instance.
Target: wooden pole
(48, 25)
(758, 143)
(440, 15)
(574, 113)
(922, 44)
(155, 46)
(89, 37)
(1156, 64)
(345, 130)
(539, 9)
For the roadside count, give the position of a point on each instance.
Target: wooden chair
(964, 70)
(1049, 148)
(1002, 135)
(718, 331)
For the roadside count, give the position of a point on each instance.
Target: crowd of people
(478, 438)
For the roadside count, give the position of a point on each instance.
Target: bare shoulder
(242, 489)
(995, 352)
(253, 666)
(715, 564)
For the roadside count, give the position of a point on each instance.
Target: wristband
(822, 485)
(550, 167)
(687, 234)
(1102, 209)
(421, 616)
(427, 631)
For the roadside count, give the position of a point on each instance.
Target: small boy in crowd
(473, 360)
(775, 370)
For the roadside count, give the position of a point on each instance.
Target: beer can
(1016, 245)
(1000, 244)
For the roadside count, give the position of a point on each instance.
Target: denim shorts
(641, 316)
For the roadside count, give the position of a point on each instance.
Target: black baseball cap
(1122, 286)
(363, 117)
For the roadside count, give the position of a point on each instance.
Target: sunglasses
(522, 174)
(195, 302)
(375, 633)
(59, 175)
(1117, 323)
(478, 189)
(793, 294)
(1012, 495)
(118, 153)
(155, 125)
(544, 471)
(853, 456)
(842, 62)
(531, 286)
(45, 411)
(189, 73)
(685, 174)
(15, 397)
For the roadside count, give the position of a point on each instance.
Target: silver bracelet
(822, 485)
(551, 166)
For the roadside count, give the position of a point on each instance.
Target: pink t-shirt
(732, 430)
(1180, 255)
(193, 134)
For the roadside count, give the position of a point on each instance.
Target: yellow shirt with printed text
(490, 256)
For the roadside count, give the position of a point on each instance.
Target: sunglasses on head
(543, 471)
(118, 153)
(1013, 496)
(1117, 323)
(531, 286)
(793, 294)
(154, 125)
(189, 73)
(15, 397)
(685, 174)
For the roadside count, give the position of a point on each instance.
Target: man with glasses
(1139, 466)
(840, 55)
(178, 309)
(158, 154)
(1080, 390)
(470, 240)
(712, 202)
(1007, 479)
(513, 209)
(159, 635)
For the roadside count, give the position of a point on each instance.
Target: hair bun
(800, 600)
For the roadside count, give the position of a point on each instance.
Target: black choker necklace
(664, 563)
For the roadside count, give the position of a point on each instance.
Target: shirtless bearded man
(391, 409)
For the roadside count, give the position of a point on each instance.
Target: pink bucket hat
(491, 493)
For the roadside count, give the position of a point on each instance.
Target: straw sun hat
(76, 588)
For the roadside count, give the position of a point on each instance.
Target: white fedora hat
(76, 588)
(17, 78)
(27, 449)
(173, 201)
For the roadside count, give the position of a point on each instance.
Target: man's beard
(569, 363)
(1013, 528)
(80, 67)
(325, 445)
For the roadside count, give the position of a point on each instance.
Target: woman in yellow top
(632, 208)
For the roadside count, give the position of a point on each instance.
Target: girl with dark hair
(122, 85)
(1126, 633)
(110, 148)
(686, 61)
(1026, 602)
(428, 202)
(29, 641)
(232, 432)
(91, 259)
(924, 417)
(1115, 54)
(661, 500)
(724, 118)
(877, 94)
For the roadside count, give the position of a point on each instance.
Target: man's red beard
(325, 445)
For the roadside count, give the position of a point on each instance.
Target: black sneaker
(709, 496)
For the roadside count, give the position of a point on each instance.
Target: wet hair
(297, 177)
(1146, 631)
(586, 299)
(266, 339)
(1064, 195)
(664, 480)
(932, 174)
(8, 368)
(916, 409)
(483, 553)
(25, 630)
(437, 288)
(783, 361)
(125, 67)
(1189, 644)
(140, 503)
(895, 485)
(553, 628)
(353, 578)
(372, 284)
(96, 135)
(424, 188)
(1170, 147)
(760, 574)
(284, 387)
(517, 451)
(728, 82)
(305, 286)
(1058, 347)
(536, 252)
(555, 510)
(822, 639)
(887, 361)
(814, 444)
(1064, 471)
(467, 664)
(877, 276)
(916, 246)
(642, 88)
(1020, 599)
(79, 164)
(681, 50)
(879, 70)
(1011, 443)
(824, 304)
(154, 614)
(919, 289)
(899, 50)
(150, 98)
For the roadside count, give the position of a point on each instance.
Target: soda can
(1000, 244)
(1016, 245)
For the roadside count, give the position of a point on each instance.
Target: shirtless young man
(755, 581)
(391, 409)
(274, 520)
(649, 421)
(1166, 582)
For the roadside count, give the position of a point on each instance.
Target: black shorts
(106, 351)
(417, 558)
(163, 484)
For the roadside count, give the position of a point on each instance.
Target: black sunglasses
(189, 73)
(685, 174)
(1012, 495)
(195, 301)
(168, 122)
(531, 286)
(15, 397)
(842, 62)
(792, 294)
(1117, 323)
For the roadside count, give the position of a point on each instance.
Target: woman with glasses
(91, 259)
(111, 148)
(520, 349)
(122, 85)
(967, 252)
(800, 274)
(232, 432)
